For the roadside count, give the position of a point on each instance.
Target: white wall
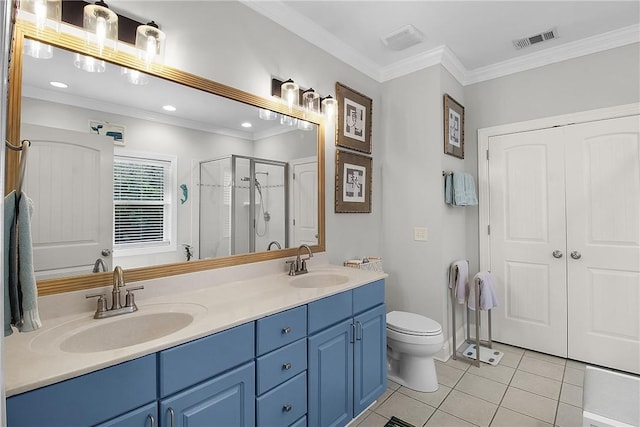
(590, 82)
(413, 194)
(243, 49)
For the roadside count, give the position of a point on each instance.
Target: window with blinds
(142, 202)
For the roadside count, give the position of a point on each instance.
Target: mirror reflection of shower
(243, 205)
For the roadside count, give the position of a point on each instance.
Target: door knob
(557, 254)
(576, 255)
(106, 252)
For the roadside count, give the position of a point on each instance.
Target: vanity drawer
(88, 399)
(368, 296)
(284, 404)
(280, 365)
(330, 310)
(195, 361)
(280, 329)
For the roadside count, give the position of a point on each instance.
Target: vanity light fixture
(169, 108)
(289, 93)
(44, 11)
(60, 85)
(101, 26)
(329, 106)
(311, 100)
(150, 43)
(265, 114)
(89, 64)
(134, 77)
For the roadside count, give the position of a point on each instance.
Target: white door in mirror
(69, 177)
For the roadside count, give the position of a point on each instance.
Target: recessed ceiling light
(246, 125)
(59, 84)
(169, 108)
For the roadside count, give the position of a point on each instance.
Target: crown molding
(587, 46)
(310, 31)
(318, 36)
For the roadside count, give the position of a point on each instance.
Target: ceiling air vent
(403, 38)
(538, 38)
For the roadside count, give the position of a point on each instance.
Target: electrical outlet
(420, 234)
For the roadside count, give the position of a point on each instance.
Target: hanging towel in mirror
(488, 296)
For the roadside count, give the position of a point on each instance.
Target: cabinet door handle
(358, 331)
(286, 366)
(352, 334)
(286, 330)
(172, 417)
(287, 407)
(152, 420)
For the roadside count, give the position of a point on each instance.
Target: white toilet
(412, 341)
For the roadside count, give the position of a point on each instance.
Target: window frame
(171, 218)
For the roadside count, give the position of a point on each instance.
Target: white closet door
(305, 203)
(603, 229)
(69, 177)
(527, 211)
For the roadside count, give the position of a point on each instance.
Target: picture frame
(354, 119)
(353, 182)
(453, 127)
(116, 132)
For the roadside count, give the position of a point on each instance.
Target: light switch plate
(420, 234)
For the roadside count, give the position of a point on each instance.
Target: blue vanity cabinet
(146, 416)
(225, 400)
(209, 381)
(347, 354)
(281, 369)
(88, 399)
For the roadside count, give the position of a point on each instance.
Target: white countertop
(34, 359)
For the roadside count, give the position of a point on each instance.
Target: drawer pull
(286, 330)
(172, 416)
(152, 420)
(287, 407)
(286, 366)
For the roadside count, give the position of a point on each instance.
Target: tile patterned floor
(527, 389)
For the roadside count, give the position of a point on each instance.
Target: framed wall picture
(353, 128)
(453, 127)
(108, 129)
(353, 182)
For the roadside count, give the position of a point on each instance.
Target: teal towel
(26, 273)
(20, 278)
(9, 242)
(464, 190)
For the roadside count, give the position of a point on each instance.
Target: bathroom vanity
(296, 352)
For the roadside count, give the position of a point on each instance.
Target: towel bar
(477, 341)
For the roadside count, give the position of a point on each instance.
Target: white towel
(460, 281)
(488, 296)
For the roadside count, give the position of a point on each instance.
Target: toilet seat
(412, 324)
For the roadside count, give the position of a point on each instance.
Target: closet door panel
(603, 232)
(526, 178)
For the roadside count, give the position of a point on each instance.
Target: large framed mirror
(117, 180)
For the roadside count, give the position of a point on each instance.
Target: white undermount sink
(94, 335)
(318, 280)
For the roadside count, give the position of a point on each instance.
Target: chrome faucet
(116, 303)
(299, 265)
(99, 263)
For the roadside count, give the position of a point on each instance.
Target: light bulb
(289, 93)
(40, 9)
(101, 32)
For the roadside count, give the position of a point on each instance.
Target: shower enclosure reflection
(243, 205)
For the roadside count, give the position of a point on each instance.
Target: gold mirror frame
(22, 30)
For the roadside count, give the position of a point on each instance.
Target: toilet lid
(412, 324)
